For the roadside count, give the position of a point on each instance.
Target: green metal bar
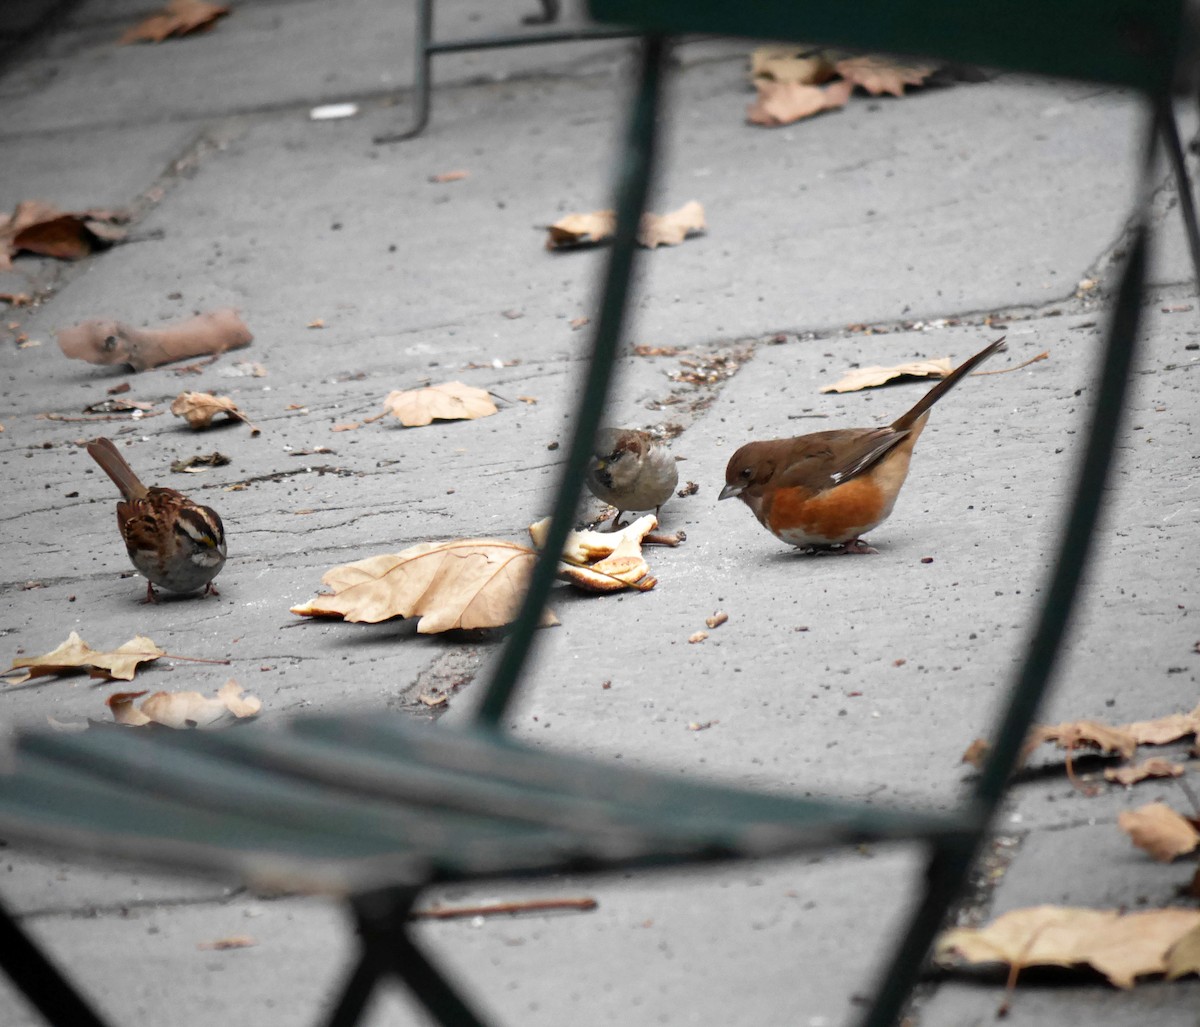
(1183, 184)
(633, 189)
(40, 980)
(950, 865)
(422, 83)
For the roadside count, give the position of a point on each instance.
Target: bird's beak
(732, 489)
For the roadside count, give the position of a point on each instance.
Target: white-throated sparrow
(631, 470)
(175, 543)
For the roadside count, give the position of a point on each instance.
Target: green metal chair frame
(376, 809)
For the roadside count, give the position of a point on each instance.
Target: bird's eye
(745, 472)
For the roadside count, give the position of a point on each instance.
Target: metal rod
(562, 36)
(950, 864)
(1183, 184)
(40, 980)
(634, 177)
(422, 78)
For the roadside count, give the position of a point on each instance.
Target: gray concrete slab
(919, 218)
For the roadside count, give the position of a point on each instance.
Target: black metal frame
(382, 915)
(427, 47)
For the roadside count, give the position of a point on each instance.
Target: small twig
(172, 656)
(128, 416)
(377, 417)
(503, 909)
(1015, 367)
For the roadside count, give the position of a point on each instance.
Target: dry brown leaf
(75, 654)
(449, 401)
(603, 561)
(1121, 946)
(1089, 734)
(199, 409)
(38, 227)
(450, 176)
(113, 342)
(878, 74)
(654, 229)
(184, 709)
(234, 941)
(465, 583)
(581, 229)
(782, 103)
(1157, 829)
(1156, 766)
(1166, 729)
(870, 377)
(178, 18)
(790, 64)
(977, 752)
(1184, 957)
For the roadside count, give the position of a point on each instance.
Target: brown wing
(833, 457)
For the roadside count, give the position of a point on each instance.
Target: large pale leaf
(790, 64)
(875, 375)
(1157, 829)
(75, 654)
(184, 709)
(781, 103)
(465, 583)
(450, 401)
(1122, 946)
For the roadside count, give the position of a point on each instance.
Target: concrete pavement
(931, 220)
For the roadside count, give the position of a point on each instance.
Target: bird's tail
(907, 420)
(115, 466)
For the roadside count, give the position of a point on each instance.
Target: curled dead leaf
(184, 709)
(234, 941)
(790, 64)
(177, 18)
(1156, 766)
(877, 74)
(465, 583)
(75, 654)
(976, 753)
(38, 227)
(870, 377)
(1158, 830)
(449, 401)
(1121, 946)
(114, 342)
(1090, 734)
(1166, 729)
(199, 409)
(654, 229)
(782, 103)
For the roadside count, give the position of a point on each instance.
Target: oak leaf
(1158, 830)
(1156, 766)
(1184, 957)
(878, 74)
(199, 409)
(870, 377)
(464, 583)
(449, 401)
(38, 227)
(1091, 734)
(653, 230)
(782, 103)
(790, 64)
(1121, 946)
(1166, 729)
(177, 18)
(75, 654)
(184, 709)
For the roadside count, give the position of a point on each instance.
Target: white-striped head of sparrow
(631, 470)
(175, 543)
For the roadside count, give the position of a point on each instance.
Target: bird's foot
(855, 547)
(151, 595)
(210, 590)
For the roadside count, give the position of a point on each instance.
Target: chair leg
(635, 172)
(950, 866)
(40, 980)
(1183, 184)
(387, 948)
(422, 78)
